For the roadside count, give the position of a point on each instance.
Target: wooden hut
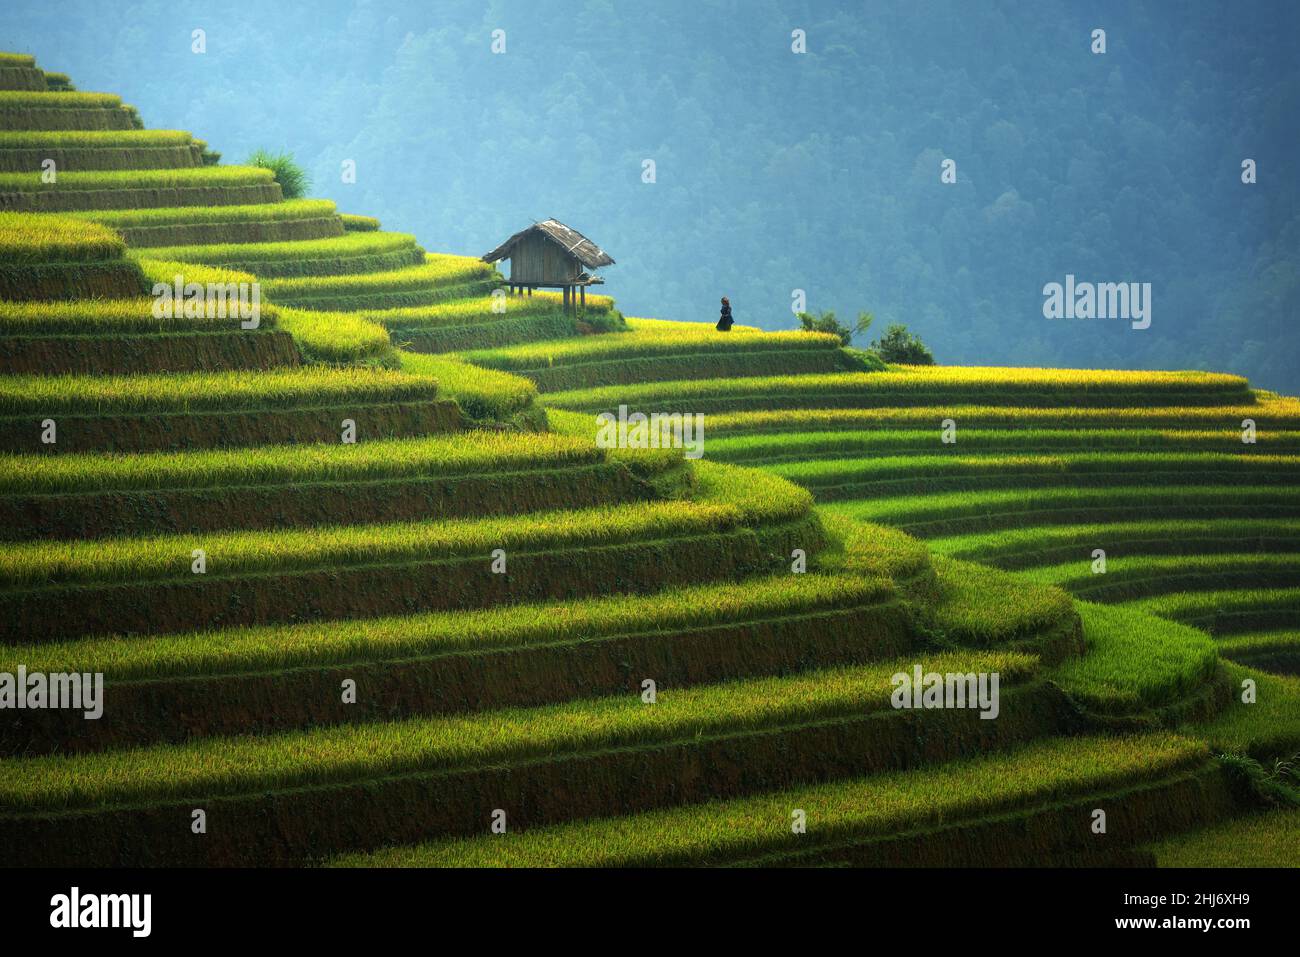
(551, 255)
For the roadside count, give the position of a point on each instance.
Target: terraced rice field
(891, 818)
(366, 556)
(1143, 491)
(213, 225)
(345, 252)
(87, 151)
(50, 259)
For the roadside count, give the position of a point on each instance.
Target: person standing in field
(724, 321)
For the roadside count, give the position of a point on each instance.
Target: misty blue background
(778, 171)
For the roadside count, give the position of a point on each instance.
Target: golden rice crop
(63, 139)
(139, 178)
(496, 737)
(1282, 411)
(470, 310)
(255, 213)
(617, 346)
(100, 317)
(437, 270)
(349, 244)
(40, 238)
(856, 809)
(461, 453)
(335, 337)
(24, 99)
(193, 391)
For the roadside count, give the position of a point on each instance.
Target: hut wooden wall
(537, 259)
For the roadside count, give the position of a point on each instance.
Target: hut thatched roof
(573, 242)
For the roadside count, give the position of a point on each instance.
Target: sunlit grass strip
(681, 393)
(873, 550)
(103, 317)
(1003, 507)
(580, 424)
(910, 385)
(158, 270)
(584, 427)
(490, 490)
(1071, 380)
(198, 391)
(770, 446)
(1135, 661)
(482, 393)
(336, 337)
(1255, 643)
(92, 139)
(985, 607)
(27, 99)
(349, 244)
(1047, 544)
(360, 224)
(1129, 576)
(262, 648)
(631, 345)
(241, 553)
(1281, 413)
(748, 488)
(484, 333)
(437, 270)
(883, 469)
(1270, 839)
(536, 667)
(1009, 381)
(238, 765)
(461, 454)
(341, 261)
(474, 310)
(852, 810)
(209, 176)
(761, 497)
(30, 238)
(167, 216)
(729, 497)
(1265, 729)
(673, 329)
(697, 365)
(1228, 611)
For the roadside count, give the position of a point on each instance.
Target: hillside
(362, 586)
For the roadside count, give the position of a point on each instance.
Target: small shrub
(599, 321)
(869, 359)
(293, 179)
(826, 322)
(900, 346)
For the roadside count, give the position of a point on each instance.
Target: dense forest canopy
(777, 171)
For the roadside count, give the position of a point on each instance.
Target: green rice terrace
(366, 590)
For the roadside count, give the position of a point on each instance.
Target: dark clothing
(724, 323)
